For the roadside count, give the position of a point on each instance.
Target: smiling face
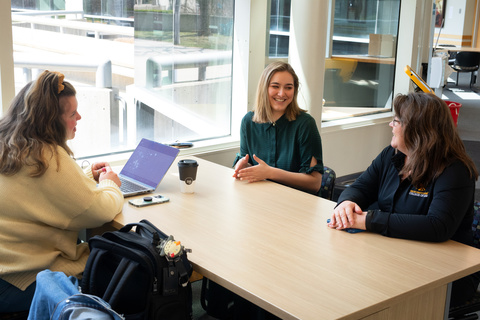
(281, 91)
(70, 115)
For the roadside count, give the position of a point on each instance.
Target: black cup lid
(188, 162)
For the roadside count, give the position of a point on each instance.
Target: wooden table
(270, 244)
(365, 58)
(459, 49)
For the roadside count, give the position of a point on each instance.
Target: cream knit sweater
(40, 218)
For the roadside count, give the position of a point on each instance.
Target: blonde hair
(34, 123)
(262, 110)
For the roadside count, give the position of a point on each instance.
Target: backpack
(142, 274)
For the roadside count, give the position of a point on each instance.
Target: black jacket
(441, 211)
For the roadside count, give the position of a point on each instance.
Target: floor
(468, 116)
(198, 312)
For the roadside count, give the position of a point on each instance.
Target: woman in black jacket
(421, 187)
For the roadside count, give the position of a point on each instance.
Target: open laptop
(146, 167)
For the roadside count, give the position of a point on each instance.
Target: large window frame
(249, 46)
(360, 55)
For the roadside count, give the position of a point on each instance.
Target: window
(362, 58)
(279, 28)
(183, 70)
(110, 11)
(171, 72)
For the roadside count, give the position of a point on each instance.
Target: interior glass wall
(361, 61)
(362, 58)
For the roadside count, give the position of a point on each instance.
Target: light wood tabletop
(459, 49)
(365, 58)
(271, 245)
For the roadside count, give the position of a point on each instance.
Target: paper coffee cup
(187, 170)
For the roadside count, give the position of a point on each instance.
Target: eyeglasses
(394, 122)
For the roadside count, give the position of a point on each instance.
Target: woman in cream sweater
(45, 197)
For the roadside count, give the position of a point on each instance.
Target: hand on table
(347, 214)
(241, 164)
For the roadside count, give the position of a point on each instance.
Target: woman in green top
(278, 140)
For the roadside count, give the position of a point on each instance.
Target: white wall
(455, 17)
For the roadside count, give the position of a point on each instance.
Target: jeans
(57, 297)
(13, 299)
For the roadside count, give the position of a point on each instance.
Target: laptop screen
(150, 162)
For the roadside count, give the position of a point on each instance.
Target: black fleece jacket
(441, 211)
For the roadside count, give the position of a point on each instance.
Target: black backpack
(142, 274)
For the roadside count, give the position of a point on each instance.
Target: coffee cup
(187, 170)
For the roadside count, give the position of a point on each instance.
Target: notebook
(146, 167)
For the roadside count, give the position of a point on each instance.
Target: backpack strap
(146, 229)
(124, 271)
(92, 265)
(182, 272)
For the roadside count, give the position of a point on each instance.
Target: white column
(248, 56)
(7, 83)
(307, 52)
(415, 16)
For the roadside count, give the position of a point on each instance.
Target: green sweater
(288, 145)
(40, 218)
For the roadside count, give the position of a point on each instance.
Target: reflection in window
(183, 65)
(30, 5)
(362, 60)
(362, 57)
(279, 28)
(110, 11)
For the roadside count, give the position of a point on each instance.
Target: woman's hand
(241, 164)
(109, 174)
(98, 168)
(347, 215)
(259, 172)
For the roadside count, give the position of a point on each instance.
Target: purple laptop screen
(150, 162)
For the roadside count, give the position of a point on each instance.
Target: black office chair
(469, 310)
(328, 183)
(467, 62)
(451, 53)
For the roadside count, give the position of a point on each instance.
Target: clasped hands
(245, 171)
(348, 214)
(103, 170)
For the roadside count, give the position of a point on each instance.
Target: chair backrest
(476, 224)
(328, 183)
(467, 59)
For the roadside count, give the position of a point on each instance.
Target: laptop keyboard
(128, 186)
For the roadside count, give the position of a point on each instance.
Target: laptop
(146, 167)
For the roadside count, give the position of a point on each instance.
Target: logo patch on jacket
(418, 192)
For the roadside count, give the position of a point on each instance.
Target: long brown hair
(262, 109)
(33, 124)
(430, 136)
